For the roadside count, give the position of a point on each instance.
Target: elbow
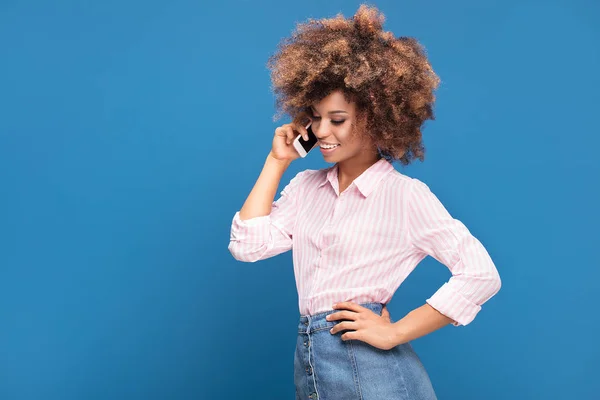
(236, 250)
(244, 252)
(494, 283)
(498, 283)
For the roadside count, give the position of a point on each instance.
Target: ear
(302, 117)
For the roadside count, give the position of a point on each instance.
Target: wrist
(399, 333)
(277, 162)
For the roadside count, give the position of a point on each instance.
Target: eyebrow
(331, 112)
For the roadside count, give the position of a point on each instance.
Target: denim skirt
(329, 368)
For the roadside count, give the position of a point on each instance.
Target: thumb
(385, 313)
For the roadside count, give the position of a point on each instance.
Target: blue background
(131, 132)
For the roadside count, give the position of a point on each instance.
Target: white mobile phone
(304, 146)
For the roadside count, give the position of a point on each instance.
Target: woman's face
(333, 122)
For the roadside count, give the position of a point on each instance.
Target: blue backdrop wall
(131, 132)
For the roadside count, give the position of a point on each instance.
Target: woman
(359, 227)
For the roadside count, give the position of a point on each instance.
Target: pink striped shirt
(360, 245)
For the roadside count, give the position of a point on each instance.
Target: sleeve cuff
(454, 305)
(263, 219)
(252, 230)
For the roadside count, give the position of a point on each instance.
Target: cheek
(346, 135)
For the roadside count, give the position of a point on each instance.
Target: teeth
(329, 147)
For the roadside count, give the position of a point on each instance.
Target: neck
(348, 170)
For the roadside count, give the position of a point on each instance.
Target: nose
(320, 132)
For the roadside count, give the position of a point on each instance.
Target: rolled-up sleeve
(435, 232)
(266, 236)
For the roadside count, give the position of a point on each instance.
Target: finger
(353, 335)
(304, 130)
(343, 326)
(341, 315)
(301, 130)
(349, 306)
(290, 134)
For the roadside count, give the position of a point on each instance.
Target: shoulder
(305, 179)
(407, 190)
(309, 175)
(404, 183)
(316, 176)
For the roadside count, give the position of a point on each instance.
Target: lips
(328, 151)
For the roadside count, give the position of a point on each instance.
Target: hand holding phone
(303, 147)
(288, 143)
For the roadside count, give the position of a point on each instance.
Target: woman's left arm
(419, 322)
(475, 279)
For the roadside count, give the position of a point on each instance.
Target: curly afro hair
(390, 79)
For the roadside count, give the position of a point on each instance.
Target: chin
(332, 158)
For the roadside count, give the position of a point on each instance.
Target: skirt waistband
(315, 322)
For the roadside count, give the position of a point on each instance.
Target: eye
(332, 121)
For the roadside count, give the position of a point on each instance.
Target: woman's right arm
(261, 197)
(262, 228)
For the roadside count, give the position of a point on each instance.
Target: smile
(328, 150)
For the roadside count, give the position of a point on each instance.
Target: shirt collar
(365, 182)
